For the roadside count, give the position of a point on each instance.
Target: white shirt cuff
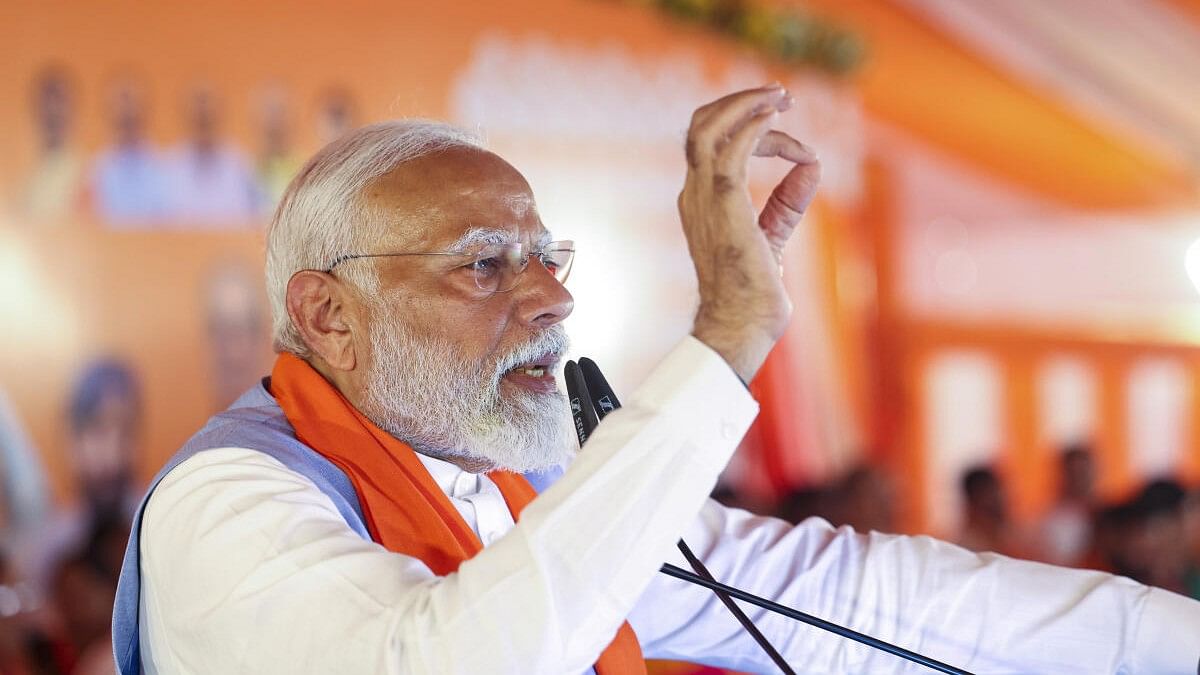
(695, 383)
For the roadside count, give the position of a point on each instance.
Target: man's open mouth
(537, 374)
(537, 368)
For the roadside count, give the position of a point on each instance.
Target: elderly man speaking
(362, 510)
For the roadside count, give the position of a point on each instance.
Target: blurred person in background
(24, 506)
(1113, 528)
(1191, 525)
(337, 113)
(70, 634)
(277, 161)
(127, 185)
(986, 524)
(1066, 531)
(863, 499)
(802, 503)
(105, 418)
(866, 500)
(237, 328)
(1147, 538)
(82, 592)
(1162, 543)
(76, 560)
(209, 180)
(52, 192)
(24, 497)
(17, 651)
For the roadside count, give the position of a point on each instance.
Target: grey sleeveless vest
(254, 421)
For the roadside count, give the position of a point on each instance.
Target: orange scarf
(404, 509)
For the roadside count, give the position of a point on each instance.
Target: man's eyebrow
(481, 235)
(493, 235)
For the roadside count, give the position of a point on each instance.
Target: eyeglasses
(496, 268)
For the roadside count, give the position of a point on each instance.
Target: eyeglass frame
(567, 245)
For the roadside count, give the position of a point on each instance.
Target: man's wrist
(744, 351)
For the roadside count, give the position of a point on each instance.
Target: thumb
(788, 202)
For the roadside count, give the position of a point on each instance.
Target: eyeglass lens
(498, 267)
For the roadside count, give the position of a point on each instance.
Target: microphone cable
(680, 573)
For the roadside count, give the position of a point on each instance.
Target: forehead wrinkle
(519, 204)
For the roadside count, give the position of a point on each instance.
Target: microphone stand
(591, 400)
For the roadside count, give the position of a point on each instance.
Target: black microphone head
(582, 412)
(603, 398)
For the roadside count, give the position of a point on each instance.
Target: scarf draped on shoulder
(404, 509)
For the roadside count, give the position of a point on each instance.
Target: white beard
(428, 394)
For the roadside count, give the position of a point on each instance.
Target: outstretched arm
(985, 613)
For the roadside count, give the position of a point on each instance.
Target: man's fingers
(790, 199)
(723, 136)
(782, 104)
(715, 123)
(779, 144)
(736, 151)
(738, 104)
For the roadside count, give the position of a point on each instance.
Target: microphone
(602, 395)
(582, 411)
(588, 388)
(592, 399)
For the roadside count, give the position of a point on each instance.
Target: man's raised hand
(744, 307)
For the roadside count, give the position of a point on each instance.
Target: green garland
(790, 36)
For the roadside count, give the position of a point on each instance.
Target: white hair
(323, 215)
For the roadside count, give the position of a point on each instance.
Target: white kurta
(247, 567)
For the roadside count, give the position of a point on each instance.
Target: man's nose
(543, 300)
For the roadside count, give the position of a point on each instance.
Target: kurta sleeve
(985, 613)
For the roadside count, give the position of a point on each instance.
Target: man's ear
(321, 308)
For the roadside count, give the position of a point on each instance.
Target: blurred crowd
(59, 567)
(1152, 536)
(59, 563)
(206, 179)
